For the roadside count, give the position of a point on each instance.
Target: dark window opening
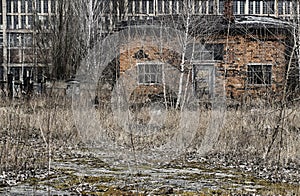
(280, 7)
(15, 6)
(235, 7)
(1, 73)
(174, 7)
(242, 7)
(27, 72)
(210, 7)
(23, 6)
(251, 7)
(23, 21)
(159, 5)
(202, 52)
(53, 6)
(45, 6)
(140, 54)
(38, 6)
(15, 71)
(150, 73)
(218, 51)
(29, 8)
(259, 74)
(151, 7)
(221, 7)
(197, 6)
(130, 6)
(180, 6)
(16, 22)
(204, 6)
(144, 7)
(287, 7)
(257, 7)
(167, 8)
(8, 6)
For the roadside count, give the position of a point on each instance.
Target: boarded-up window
(259, 74)
(149, 73)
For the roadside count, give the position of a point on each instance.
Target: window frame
(158, 75)
(254, 76)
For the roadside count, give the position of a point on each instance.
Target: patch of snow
(261, 20)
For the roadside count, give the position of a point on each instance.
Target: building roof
(211, 23)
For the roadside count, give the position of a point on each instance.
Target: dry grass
(29, 130)
(252, 132)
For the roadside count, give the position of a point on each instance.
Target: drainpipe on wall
(228, 11)
(228, 15)
(4, 26)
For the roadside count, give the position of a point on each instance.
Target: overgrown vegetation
(30, 129)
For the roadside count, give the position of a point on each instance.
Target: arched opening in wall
(106, 83)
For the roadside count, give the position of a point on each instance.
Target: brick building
(250, 55)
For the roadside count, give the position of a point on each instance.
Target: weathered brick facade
(239, 52)
(244, 50)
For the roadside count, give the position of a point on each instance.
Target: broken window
(149, 73)
(259, 74)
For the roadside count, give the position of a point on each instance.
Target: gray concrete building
(20, 63)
